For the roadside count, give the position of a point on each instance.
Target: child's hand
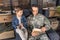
(21, 26)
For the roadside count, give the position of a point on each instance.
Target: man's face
(35, 10)
(19, 13)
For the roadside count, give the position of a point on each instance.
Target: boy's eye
(34, 10)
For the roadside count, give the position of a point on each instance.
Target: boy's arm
(25, 24)
(13, 24)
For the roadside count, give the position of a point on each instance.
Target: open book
(36, 30)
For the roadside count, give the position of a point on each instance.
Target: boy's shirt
(19, 19)
(16, 22)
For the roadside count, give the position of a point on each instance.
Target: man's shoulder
(30, 16)
(40, 15)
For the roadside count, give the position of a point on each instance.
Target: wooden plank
(5, 18)
(8, 34)
(0, 0)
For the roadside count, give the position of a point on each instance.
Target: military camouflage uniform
(37, 22)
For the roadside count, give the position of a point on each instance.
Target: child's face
(19, 13)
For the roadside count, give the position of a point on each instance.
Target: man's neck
(35, 14)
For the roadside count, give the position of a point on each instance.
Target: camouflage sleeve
(29, 26)
(28, 20)
(47, 23)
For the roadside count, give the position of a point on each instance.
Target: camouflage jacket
(38, 21)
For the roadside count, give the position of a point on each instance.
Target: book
(36, 30)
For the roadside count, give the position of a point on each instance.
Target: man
(39, 23)
(19, 23)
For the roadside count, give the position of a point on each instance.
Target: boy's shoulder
(14, 18)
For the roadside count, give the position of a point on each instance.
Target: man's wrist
(40, 30)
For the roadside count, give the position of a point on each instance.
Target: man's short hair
(34, 5)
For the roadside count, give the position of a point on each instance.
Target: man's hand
(43, 29)
(36, 32)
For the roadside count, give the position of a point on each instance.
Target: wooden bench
(6, 18)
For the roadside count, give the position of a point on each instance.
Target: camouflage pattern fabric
(37, 22)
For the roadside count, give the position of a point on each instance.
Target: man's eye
(33, 11)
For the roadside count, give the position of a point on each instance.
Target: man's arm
(47, 25)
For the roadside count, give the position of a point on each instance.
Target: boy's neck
(18, 16)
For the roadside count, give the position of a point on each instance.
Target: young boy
(19, 23)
